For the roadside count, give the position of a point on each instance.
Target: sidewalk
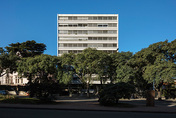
(165, 106)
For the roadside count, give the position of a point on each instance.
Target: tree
(124, 73)
(103, 66)
(66, 73)
(7, 62)
(26, 49)
(155, 64)
(116, 61)
(86, 65)
(41, 71)
(13, 52)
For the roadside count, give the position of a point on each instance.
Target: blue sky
(141, 22)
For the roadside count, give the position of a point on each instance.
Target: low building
(13, 80)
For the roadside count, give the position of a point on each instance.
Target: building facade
(13, 80)
(77, 32)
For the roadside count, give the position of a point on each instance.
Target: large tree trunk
(159, 94)
(88, 94)
(88, 87)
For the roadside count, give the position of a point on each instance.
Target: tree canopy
(41, 72)
(155, 63)
(26, 49)
(8, 63)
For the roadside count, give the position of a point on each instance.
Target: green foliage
(42, 65)
(103, 66)
(155, 63)
(26, 49)
(13, 52)
(41, 72)
(66, 78)
(159, 72)
(67, 59)
(111, 93)
(8, 63)
(66, 71)
(86, 64)
(124, 73)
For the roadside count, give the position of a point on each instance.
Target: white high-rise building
(79, 31)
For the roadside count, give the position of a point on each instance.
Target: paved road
(36, 113)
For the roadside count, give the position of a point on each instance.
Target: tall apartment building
(79, 31)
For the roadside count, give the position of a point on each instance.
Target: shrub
(43, 91)
(111, 93)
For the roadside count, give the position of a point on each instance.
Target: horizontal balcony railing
(82, 48)
(87, 21)
(87, 35)
(87, 28)
(89, 41)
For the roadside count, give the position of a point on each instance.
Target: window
(82, 18)
(114, 45)
(60, 45)
(79, 45)
(84, 45)
(94, 18)
(62, 31)
(102, 25)
(63, 51)
(104, 45)
(69, 45)
(72, 18)
(74, 51)
(74, 45)
(79, 25)
(99, 32)
(100, 38)
(105, 25)
(105, 31)
(109, 18)
(104, 18)
(62, 18)
(65, 45)
(104, 38)
(99, 18)
(109, 45)
(114, 18)
(90, 38)
(90, 18)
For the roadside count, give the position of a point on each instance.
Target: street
(44, 113)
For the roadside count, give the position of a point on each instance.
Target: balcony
(87, 21)
(89, 41)
(87, 35)
(87, 28)
(82, 48)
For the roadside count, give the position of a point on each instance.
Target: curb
(77, 109)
